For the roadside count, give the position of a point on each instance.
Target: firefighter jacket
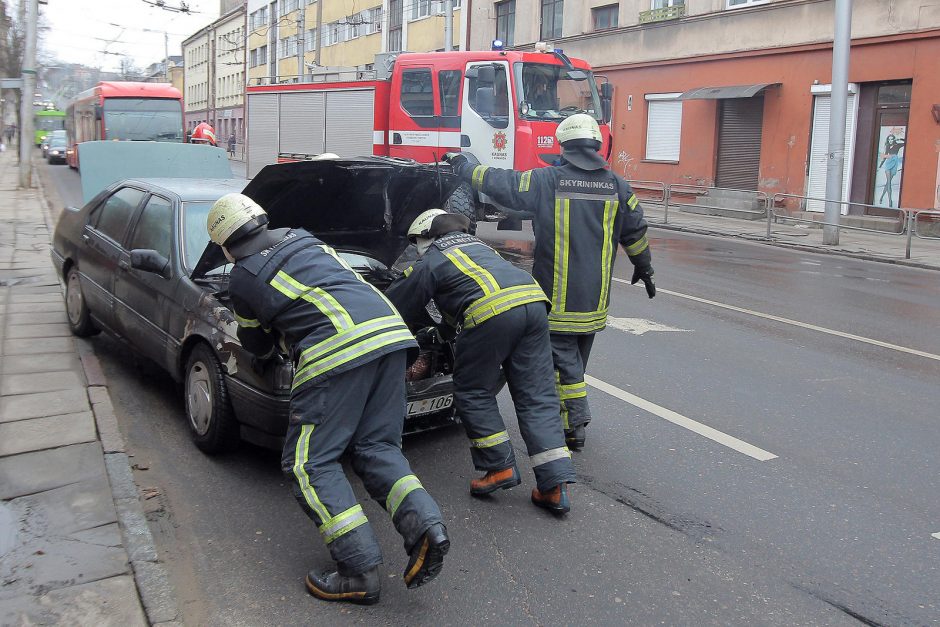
(579, 218)
(469, 282)
(331, 319)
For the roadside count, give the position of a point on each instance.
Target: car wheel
(75, 308)
(208, 409)
(461, 201)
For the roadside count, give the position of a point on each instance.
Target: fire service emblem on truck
(499, 141)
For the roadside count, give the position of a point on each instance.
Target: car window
(153, 227)
(417, 92)
(113, 215)
(195, 238)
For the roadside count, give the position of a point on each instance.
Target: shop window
(663, 127)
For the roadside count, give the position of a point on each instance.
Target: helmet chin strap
(422, 245)
(228, 255)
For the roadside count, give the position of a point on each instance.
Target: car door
(141, 296)
(101, 250)
(487, 123)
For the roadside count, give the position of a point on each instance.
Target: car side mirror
(486, 101)
(99, 112)
(150, 261)
(607, 98)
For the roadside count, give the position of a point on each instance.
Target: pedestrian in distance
(349, 348)
(502, 315)
(231, 145)
(581, 211)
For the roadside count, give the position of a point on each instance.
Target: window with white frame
(420, 8)
(734, 4)
(663, 126)
(373, 20)
(355, 26)
(663, 4)
(310, 41)
(289, 5)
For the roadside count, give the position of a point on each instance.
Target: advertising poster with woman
(890, 163)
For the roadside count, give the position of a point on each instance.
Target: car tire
(208, 409)
(461, 201)
(76, 310)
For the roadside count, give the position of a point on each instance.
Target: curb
(153, 585)
(793, 246)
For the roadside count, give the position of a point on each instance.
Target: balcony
(660, 15)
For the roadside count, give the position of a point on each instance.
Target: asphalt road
(763, 451)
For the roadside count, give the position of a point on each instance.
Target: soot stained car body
(136, 262)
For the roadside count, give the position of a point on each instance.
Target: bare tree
(12, 42)
(129, 71)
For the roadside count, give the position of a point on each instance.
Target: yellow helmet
(232, 217)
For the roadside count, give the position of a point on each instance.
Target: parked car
(55, 153)
(136, 262)
(44, 146)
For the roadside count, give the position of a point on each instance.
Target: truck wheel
(75, 308)
(208, 409)
(461, 201)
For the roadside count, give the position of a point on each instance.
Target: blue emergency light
(497, 44)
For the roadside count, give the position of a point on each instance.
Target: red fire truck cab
(502, 106)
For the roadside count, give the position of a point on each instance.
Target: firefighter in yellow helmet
(502, 313)
(582, 212)
(348, 346)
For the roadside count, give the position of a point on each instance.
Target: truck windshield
(143, 119)
(546, 92)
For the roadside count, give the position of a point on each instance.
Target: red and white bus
(124, 111)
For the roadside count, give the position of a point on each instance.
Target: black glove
(261, 364)
(645, 274)
(461, 161)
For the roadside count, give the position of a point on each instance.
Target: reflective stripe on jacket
(580, 217)
(468, 281)
(330, 317)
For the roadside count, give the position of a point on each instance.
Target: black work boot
(362, 589)
(574, 437)
(426, 557)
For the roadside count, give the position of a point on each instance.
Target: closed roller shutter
(349, 122)
(739, 135)
(664, 128)
(262, 131)
(302, 122)
(819, 151)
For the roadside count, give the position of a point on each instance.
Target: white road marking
(796, 323)
(678, 419)
(936, 535)
(639, 326)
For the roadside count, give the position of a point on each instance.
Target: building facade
(735, 93)
(340, 34)
(214, 75)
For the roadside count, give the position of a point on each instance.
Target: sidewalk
(884, 247)
(72, 532)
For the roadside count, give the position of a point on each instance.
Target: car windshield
(57, 142)
(143, 119)
(195, 237)
(547, 92)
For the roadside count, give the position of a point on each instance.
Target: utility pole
(319, 36)
(26, 95)
(838, 106)
(166, 56)
(448, 25)
(300, 41)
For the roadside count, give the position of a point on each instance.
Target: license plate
(428, 405)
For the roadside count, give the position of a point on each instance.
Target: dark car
(136, 262)
(55, 153)
(44, 145)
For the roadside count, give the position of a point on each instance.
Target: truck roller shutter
(739, 135)
(262, 131)
(302, 122)
(349, 122)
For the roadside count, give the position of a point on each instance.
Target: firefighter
(502, 314)
(203, 134)
(348, 346)
(581, 211)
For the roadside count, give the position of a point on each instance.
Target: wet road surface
(763, 450)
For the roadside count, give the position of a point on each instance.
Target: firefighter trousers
(570, 355)
(361, 410)
(518, 341)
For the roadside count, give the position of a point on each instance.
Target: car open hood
(364, 204)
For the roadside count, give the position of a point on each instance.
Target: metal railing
(665, 13)
(783, 208)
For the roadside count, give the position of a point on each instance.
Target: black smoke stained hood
(364, 204)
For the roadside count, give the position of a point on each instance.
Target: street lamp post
(26, 94)
(835, 166)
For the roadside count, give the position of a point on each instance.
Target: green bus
(46, 122)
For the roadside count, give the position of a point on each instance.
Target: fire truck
(502, 106)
